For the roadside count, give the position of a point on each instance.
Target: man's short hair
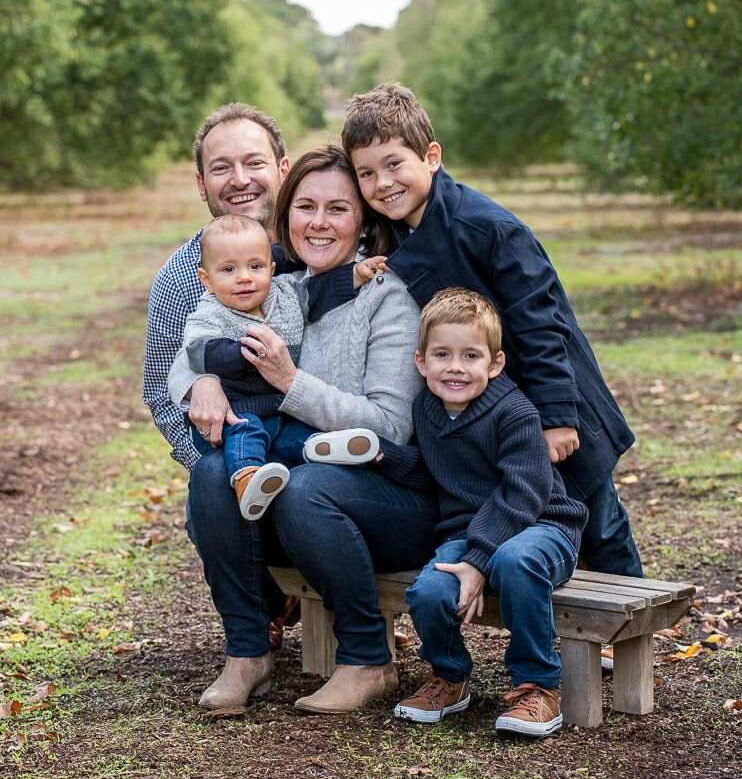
(235, 112)
(228, 223)
(387, 111)
(375, 233)
(459, 306)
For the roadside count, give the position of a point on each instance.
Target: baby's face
(457, 364)
(238, 270)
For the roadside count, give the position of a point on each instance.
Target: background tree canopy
(643, 95)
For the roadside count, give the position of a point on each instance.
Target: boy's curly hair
(459, 306)
(387, 111)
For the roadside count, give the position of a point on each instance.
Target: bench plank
(653, 597)
(676, 589)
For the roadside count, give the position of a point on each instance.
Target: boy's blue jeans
(522, 572)
(248, 443)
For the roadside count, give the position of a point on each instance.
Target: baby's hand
(562, 442)
(471, 590)
(367, 269)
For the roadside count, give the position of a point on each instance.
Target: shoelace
(527, 696)
(432, 689)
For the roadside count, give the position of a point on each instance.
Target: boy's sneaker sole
(342, 447)
(422, 715)
(523, 728)
(265, 484)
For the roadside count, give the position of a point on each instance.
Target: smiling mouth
(389, 199)
(320, 242)
(455, 385)
(242, 197)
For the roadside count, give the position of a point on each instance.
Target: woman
(337, 524)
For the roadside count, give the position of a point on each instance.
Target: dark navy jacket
(466, 240)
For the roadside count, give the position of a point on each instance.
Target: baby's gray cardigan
(357, 366)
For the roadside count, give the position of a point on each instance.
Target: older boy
(505, 519)
(450, 235)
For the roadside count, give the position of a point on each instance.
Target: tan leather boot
(241, 677)
(350, 688)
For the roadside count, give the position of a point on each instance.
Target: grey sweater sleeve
(378, 332)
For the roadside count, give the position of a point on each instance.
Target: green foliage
(100, 86)
(94, 92)
(653, 90)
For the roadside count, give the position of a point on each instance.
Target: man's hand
(210, 409)
(562, 442)
(365, 270)
(471, 592)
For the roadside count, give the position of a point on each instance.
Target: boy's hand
(471, 592)
(365, 270)
(562, 442)
(210, 409)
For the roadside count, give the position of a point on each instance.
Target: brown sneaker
(434, 700)
(533, 711)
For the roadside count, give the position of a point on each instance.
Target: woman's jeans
(338, 524)
(249, 442)
(523, 573)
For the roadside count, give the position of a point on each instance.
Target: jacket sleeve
(390, 378)
(221, 357)
(522, 492)
(528, 293)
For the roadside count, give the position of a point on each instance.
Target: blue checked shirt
(175, 294)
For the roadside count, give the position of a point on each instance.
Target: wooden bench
(590, 609)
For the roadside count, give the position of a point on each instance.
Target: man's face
(238, 269)
(394, 180)
(241, 175)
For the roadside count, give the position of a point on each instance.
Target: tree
(653, 93)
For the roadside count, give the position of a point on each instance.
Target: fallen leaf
(685, 652)
(125, 648)
(41, 692)
(733, 704)
(10, 709)
(103, 633)
(60, 592)
(715, 641)
(155, 494)
(237, 711)
(151, 538)
(630, 478)
(18, 638)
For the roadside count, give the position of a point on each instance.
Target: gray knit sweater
(357, 365)
(284, 308)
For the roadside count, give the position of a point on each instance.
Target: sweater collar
(436, 412)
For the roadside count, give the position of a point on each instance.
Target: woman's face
(325, 219)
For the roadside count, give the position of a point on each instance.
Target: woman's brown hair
(375, 233)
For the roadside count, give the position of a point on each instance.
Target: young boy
(449, 235)
(237, 270)
(505, 519)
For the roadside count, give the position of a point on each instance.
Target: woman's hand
(267, 351)
(471, 590)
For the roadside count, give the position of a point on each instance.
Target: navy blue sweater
(492, 468)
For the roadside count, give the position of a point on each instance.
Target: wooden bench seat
(590, 609)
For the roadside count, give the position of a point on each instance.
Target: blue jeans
(522, 572)
(248, 442)
(607, 543)
(235, 555)
(339, 525)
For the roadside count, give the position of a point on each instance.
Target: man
(240, 161)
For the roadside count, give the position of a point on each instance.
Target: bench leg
(318, 640)
(633, 675)
(581, 683)
(389, 617)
